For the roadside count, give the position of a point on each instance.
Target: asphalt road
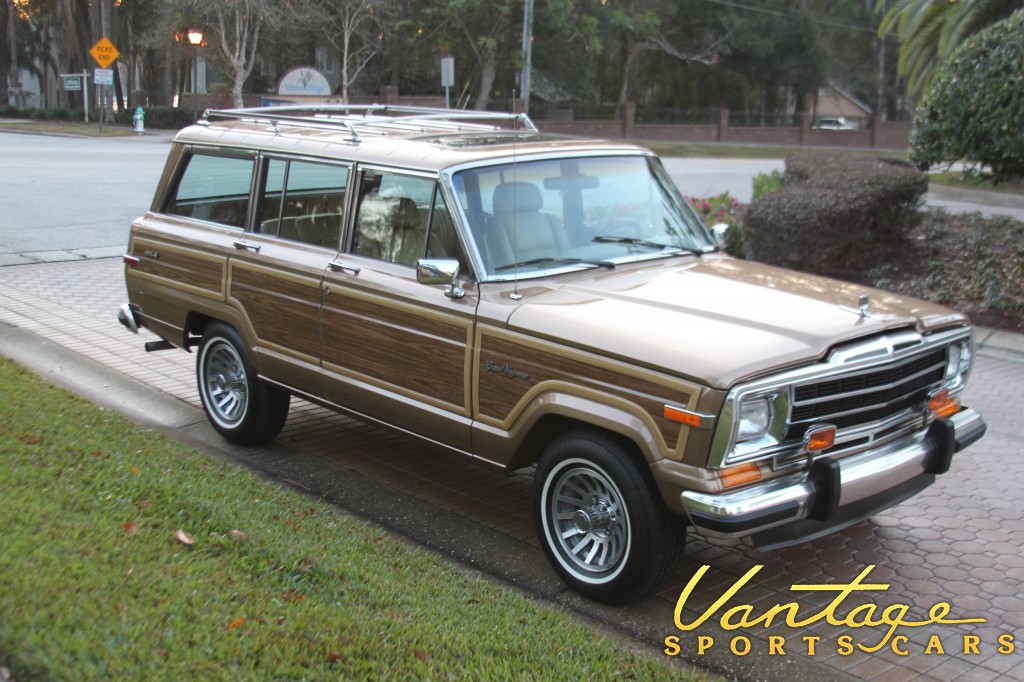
(70, 198)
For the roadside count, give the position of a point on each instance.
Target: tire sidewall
(607, 459)
(215, 336)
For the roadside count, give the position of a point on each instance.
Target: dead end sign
(104, 52)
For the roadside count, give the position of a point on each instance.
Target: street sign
(103, 76)
(72, 83)
(104, 52)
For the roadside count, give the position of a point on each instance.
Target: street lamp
(195, 38)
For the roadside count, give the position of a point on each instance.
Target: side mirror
(440, 271)
(721, 232)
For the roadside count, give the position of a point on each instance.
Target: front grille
(869, 397)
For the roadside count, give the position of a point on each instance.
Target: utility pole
(524, 79)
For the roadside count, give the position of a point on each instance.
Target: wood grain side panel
(511, 369)
(284, 310)
(394, 346)
(180, 267)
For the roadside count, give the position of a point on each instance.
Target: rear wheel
(240, 407)
(601, 520)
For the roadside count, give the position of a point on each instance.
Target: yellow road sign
(104, 52)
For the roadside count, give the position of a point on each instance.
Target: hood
(717, 320)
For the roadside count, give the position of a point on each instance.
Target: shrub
(966, 261)
(767, 182)
(975, 105)
(831, 203)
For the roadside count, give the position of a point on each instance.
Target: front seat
(520, 230)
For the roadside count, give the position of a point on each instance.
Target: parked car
(533, 300)
(839, 123)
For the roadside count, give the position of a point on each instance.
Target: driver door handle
(240, 245)
(336, 266)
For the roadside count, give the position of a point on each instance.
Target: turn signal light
(678, 414)
(819, 439)
(941, 405)
(740, 474)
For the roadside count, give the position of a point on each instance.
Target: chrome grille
(868, 397)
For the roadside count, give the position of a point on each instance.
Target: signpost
(105, 54)
(78, 82)
(447, 79)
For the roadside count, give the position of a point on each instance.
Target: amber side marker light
(820, 439)
(941, 405)
(740, 474)
(678, 414)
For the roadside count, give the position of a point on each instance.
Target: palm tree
(929, 31)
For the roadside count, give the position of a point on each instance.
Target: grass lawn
(91, 129)
(744, 151)
(127, 555)
(957, 179)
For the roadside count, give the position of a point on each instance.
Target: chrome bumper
(834, 493)
(127, 318)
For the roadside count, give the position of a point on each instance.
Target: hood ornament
(864, 301)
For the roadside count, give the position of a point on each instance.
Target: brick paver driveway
(958, 542)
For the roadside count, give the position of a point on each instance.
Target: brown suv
(530, 299)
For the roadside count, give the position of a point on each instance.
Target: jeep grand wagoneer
(535, 300)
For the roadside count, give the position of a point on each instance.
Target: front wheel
(240, 407)
(601, 521)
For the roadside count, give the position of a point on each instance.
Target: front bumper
(834, 493)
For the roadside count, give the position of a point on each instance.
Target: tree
(930, 30)
(233, 28)
(974, 108)
(656, 25)
(352, 27)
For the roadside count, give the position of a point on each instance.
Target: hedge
(831, 203)
(166, 118)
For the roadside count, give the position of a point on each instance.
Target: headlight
(953, 357)
(958, 362)
(755, 418)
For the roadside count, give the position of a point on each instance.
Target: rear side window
(214, 188)
(302, 201)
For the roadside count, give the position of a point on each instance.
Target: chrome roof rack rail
(372, 119)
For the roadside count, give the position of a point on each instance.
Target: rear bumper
(834, 493)
(126, 317)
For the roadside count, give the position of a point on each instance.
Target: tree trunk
(11, 73)
(488, 72)
(628, 55)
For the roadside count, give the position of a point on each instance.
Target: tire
(601, 520)
(243, 409)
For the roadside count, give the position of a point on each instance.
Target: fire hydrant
(139, 120)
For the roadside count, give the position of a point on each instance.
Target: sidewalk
(960, 541)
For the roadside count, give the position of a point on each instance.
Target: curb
(999, 344)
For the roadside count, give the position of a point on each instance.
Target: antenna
(515, 295)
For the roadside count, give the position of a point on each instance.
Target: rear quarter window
(213, 188)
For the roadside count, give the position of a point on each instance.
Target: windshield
(531, 217)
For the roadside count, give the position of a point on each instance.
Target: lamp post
(195, 38)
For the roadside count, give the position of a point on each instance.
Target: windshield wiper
(637, 241)
(562, 261)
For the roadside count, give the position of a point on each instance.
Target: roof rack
(371, 119)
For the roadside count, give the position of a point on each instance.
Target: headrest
(406, 215)
(517, 196)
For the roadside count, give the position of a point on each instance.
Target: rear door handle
(240, 245)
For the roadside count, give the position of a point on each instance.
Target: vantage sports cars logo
(883, 627)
